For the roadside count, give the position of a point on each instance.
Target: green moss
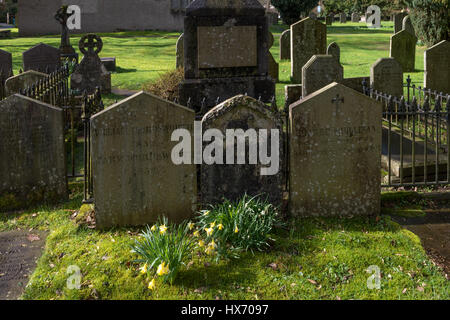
(9, 202)
(83, 213)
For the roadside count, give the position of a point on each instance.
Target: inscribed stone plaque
(227, 47)
(285, 45)
(321, 70)
(335, 51)
(5, 64)
(232, 180)
(135, 179)
(180, 51)
(41, 58)
(32, 156)
(437, 67)
(386, 76)
(22, 81)
(335, 147)
(308, 37)
(403, 49)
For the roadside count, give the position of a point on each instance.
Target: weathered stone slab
(403, 49)
(134, 178)
(398, 21)
(356, 17)
(335, 51)
(232, 180)
(41, 58)
(19, 251)
(180, 51)
(335, 146)
(109, 63)
(386, 76)
(5, 63)
(320, 71)
(437, 67)
(308, 37)
(408, 26)
(285, 45)
(32, 156)
(22, 81)
(222, 47)
(292, 93)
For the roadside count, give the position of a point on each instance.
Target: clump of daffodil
(152, 285)
(144, 269)
(211, 247)
(163, 269)
(209, 231)
(162, 229)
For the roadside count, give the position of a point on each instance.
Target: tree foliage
(360, 6)
(292, 10)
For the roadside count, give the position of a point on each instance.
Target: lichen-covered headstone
(403, 49)
(135, 180)
(386, 76)
(180, 52)
(42, 58)
(308, 37)
(320, 71)
(437, 67)
(335, 51)
(22, 81)
(335, 147)
(408, 26)
(232, 180)
(32, 156)
(285, 45)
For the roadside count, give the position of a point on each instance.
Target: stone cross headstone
(386, 76)
(329, 20)
(274, 68)
(335, 51)
(398, 21)
(285, 45)
(408, 26)
(403, 49)
(232, 180)
(66, 49)
(335, 147)
(5, 64)
(42, 58)
(22, 81)
(437, 67)
(91, 73)
(320, 71)
(32, 155)
(356, 17)
(308, 38)
(180, 51)
(343, 17)
(135, 180)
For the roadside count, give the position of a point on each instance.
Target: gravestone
(42, 58)
(32, 156)
(329, 20)
(66, 49)
(292, 93)
(312, 15)
(232, 180)
(22, 81)
(91, 73)
(356, 17)
(386, 76)
(308, 37)
(403, 49)
(225, 44)
(285, 45)
(398, 21)
(355, 83)
(408, 26)
(5, 64)
(180, 51)
(335, 51)
(437, 67)
(335, 147)
(135, 180)
(109, 63)
(320, 71)
(342, 18)
(274, 68)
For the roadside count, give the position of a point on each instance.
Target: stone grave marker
(320, 71)
(232, 180)
(22, 81)
(180, 51)
(437, 67)
(386, 76)
(135, 180)
(32, 156)
(398, 21)
(41, 58)
(335, 147)
(403, 49)
(91, 73)
(292, 93)
(5, 64)
(408, 26)
(343, 18)
(274, 68)
(335, 51)
(285, 45)
(356, 17)
(308, 37)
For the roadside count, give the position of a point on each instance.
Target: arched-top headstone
(180, 51)
(356, 17)
(320, 71)
(403, 49)
(437, 67)
(285, 45)
(42, 58)
(398, 21)
(135, 179)
(386, 76)
(334, 50)
(408, 26)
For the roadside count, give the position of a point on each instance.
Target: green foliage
(430, 19)
(164, 245)
(350, 6)
(292, 10)
(166, 86)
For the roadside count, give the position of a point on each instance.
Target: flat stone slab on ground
(19, 251)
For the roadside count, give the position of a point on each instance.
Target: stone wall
(36, 17)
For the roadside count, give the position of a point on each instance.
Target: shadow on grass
(124, 70)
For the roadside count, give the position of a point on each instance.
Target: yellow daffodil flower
(201, 243)
(162, 269)
(236, 230)
(196, 233)
(220, 226)
(144, 268)
(213, 224)
(211, 247)
(209, 231)
(152, 284)
(162, 229)
(191, 225)
(153, 228)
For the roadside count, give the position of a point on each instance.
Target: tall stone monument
(225, 44)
